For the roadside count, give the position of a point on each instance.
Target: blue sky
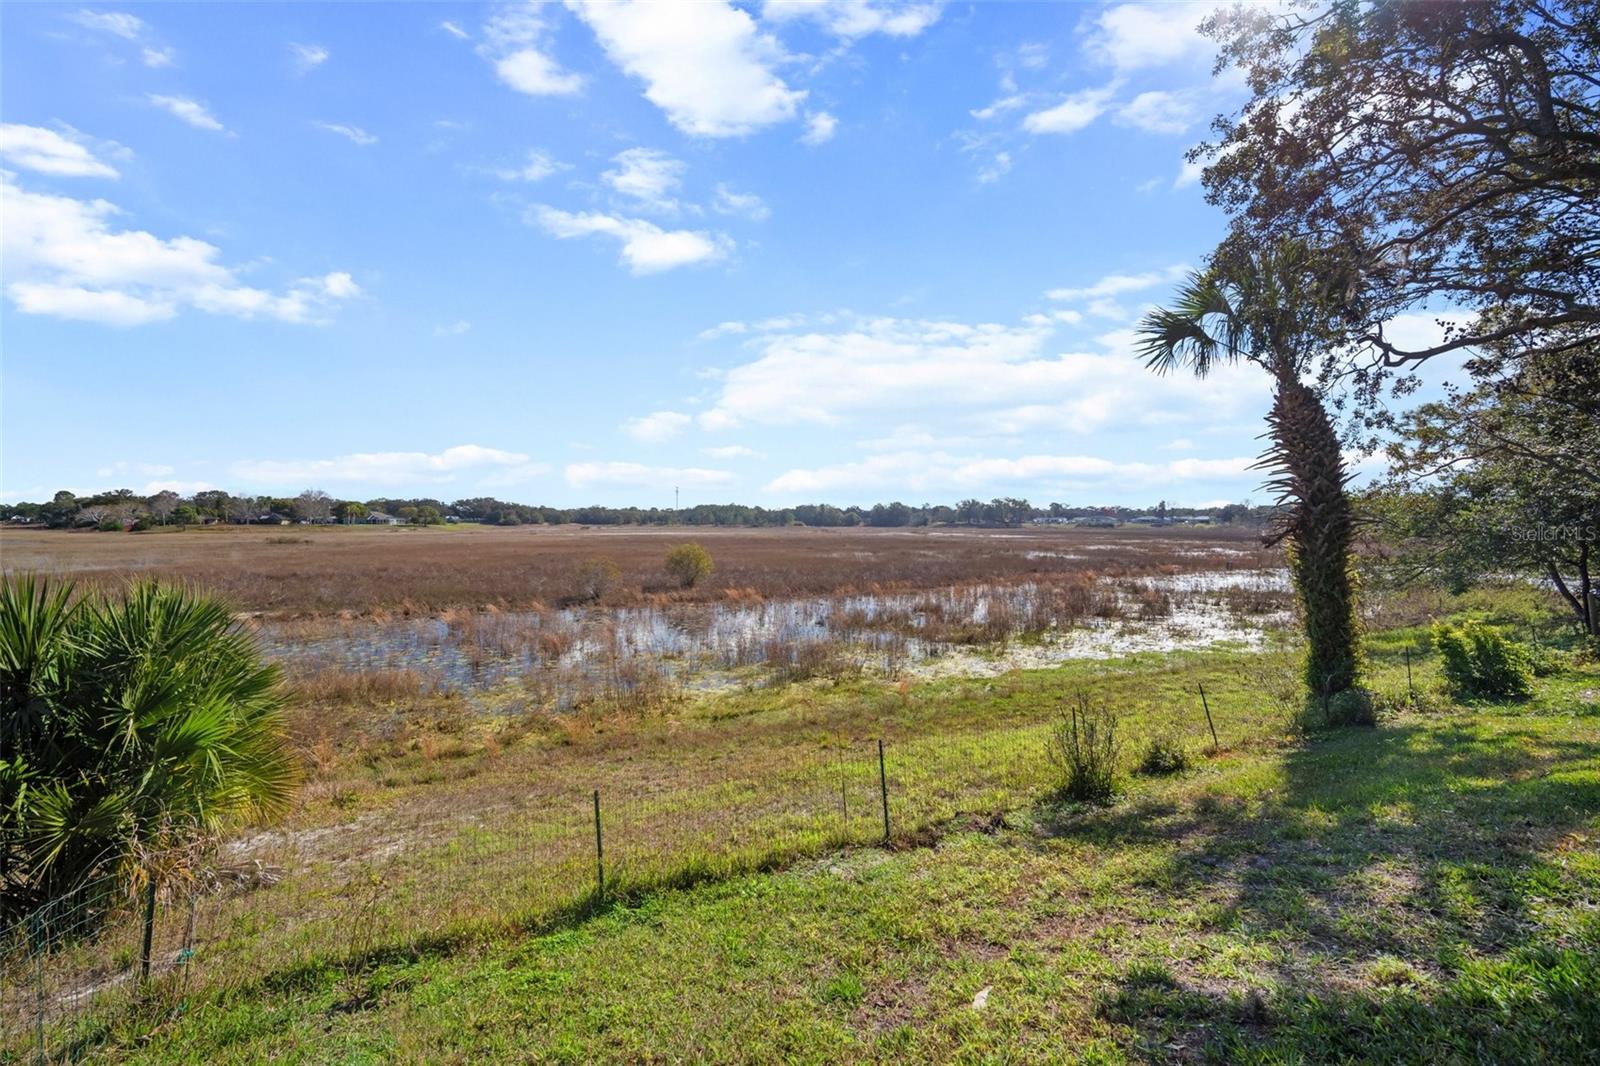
(778, 253)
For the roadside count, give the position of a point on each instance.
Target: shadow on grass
(1428, 845)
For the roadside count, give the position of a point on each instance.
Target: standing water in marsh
(969, 629)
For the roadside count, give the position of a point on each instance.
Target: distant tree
(162, 504)
(426, 515)
(313, 505)
(689, 563)
(62, 510)
(1269, 311)
(241, 509)
(350, 512)
(213, 502)
(892, 514)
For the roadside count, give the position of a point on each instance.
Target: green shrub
(595, 578)
(1545, 661)
(110, 525)
(1164, 755)
(1479, 662)
(1083, 748)
(1353, 706)
(689, 563)
(134, 724)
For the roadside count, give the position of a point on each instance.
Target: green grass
(1426, 891)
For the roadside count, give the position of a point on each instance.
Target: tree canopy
(1446, 155)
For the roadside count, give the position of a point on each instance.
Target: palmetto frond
(157, 720)
(1201, 328)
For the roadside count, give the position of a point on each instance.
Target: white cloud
(646, 176)
(64, 259)
(182, 488)
(851, 19)
(354, 134)
(723, 329)
(453, 30)
(122, 467)
(998, 167)
(1072, 114)
(536, 167)
(307, 57)
(118, 23)
(658, 426)
(704, 62)
(454, 329)
(339, 285)
(49, 152)
(381, 468)
(925, 471)
(129, 28)
(748, 205)
(1161, 112)
(514, 42)
(1189, 173)
(1136, 36)
(1119, 284)
(530, 71)
(638, 475)
(986, 378)
(646, 247)
(191, 111)
(820, 127)
(1000, 107)
(732, 451)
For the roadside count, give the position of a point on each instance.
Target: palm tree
(1272, 311)
(133, 725)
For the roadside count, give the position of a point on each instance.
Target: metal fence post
(39, 947)
(149, 929)
(1411, 690)
(883, 788)
(599, 853)
(1215, 743)
(844, 789)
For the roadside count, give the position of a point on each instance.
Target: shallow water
(709, 645)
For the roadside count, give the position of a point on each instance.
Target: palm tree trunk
(1310, 475)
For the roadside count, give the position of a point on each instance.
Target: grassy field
(309, 570)
(1425, 891)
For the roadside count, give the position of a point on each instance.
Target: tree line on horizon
(123, 509)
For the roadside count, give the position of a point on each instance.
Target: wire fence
(119, 956)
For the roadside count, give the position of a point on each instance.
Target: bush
(595, 578)
(134, 724)
(1479, 662)
(1083, 748)
(1545, 661)
(109, 525)
(1164, 755)
(1353, 706)
(689, 564)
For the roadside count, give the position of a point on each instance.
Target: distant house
(379, 518)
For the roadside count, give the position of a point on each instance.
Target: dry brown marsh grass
(393, 572)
